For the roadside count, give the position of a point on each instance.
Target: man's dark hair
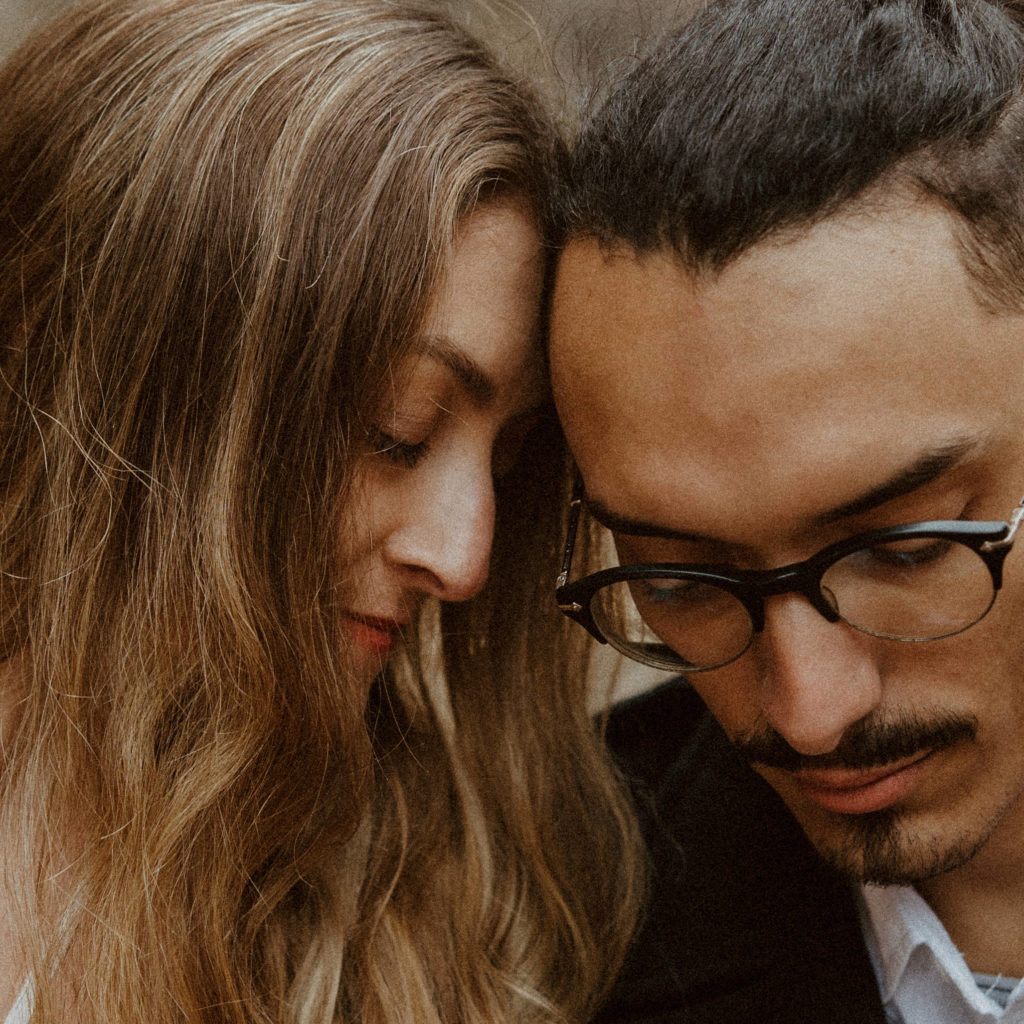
(766, 115)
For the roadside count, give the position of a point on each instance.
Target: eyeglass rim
(645, 656)
(990, 539)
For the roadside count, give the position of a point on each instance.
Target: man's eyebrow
(928, 466)
(478, 385)
(633, 527)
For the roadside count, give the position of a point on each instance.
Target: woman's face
(461, 407)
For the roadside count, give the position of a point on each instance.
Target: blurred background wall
(18, 16)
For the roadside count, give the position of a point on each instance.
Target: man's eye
(400, 453)
(922, 553)
(678, 592)
(910, 554)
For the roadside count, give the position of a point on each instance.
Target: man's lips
(861, 790)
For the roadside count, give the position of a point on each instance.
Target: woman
(268, 305)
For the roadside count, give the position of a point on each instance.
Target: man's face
(837, 382)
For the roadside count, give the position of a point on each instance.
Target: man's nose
(444, 545)
(817, 677)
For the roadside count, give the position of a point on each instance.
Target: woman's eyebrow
(481, 389)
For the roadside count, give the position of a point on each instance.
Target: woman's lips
(853, 791)
(376, 635)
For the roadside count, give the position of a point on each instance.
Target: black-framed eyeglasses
(912, 583)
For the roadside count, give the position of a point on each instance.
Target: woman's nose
(444, 543)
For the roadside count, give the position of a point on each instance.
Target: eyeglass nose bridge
(791, 579)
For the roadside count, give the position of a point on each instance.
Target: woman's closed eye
(406, 454)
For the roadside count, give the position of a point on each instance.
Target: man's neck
(981, 904)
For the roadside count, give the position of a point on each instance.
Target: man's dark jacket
(746, 924)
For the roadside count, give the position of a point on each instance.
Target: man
(788, 349)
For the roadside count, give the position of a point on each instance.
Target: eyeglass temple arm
(575, 504)
(1005, 542)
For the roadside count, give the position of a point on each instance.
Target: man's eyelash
(401, 453)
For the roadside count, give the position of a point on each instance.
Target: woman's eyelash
(401, 453)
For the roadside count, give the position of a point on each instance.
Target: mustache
(865, 744)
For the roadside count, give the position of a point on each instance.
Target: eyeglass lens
(917, 589)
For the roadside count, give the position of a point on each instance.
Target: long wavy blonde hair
(220, 226)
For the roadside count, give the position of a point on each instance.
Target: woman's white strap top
(21, 1011)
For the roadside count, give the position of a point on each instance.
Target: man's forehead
(617, 279)
(612, 311)
(860, 287)
(826, 350)
(887, 225)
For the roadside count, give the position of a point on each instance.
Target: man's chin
(883, 849)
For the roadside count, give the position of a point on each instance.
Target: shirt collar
(896, 922)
